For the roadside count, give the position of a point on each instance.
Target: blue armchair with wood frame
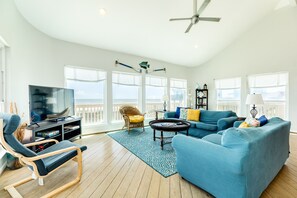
(43, 163)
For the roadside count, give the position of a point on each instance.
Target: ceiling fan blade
(213, 19)
(188, 29)
(203, 6)
(194, 7)
(179, 19)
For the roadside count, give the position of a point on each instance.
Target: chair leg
(73, 182)
(11, 188)
(40, 181)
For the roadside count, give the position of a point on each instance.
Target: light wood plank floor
(110, 170)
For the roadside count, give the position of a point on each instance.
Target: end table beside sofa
(229, 161)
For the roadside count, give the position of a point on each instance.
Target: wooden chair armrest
(31, 159)
(41, 142)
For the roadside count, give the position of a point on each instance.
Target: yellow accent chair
(132, 116)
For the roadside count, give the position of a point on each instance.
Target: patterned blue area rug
(143, 146)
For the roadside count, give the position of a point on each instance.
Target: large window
(178, 93)
(126, 89)
(274, 90)
(228, 94)
(89, 90)
(155, 90)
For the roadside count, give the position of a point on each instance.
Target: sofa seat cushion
(214, 138)
(193, 123)
(209, 127)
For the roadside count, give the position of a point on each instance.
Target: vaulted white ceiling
(142, 27)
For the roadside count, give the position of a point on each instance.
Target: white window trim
(240, 87)
(140, 94)
(105, 112)
(3, 46)
(145, 87)
(169, 90)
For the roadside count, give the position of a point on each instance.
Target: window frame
(140, 97)
(238, 85)
(105, 81)
(172, 87)
(286, 101)
(145, 93)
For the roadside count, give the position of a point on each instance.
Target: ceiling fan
(196, 15)
(144, 65)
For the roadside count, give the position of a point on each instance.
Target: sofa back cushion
(212, 117)
(214, 138)
(255, 136)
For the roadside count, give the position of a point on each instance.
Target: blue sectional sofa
(210, 122)
(239, 162)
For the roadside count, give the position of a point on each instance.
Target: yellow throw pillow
(136, 118)
(244, 125)
(193, 115)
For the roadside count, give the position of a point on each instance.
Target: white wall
(270, 46)
(34, 58)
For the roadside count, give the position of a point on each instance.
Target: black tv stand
(57, 119)
(32, 124)
(66, 129)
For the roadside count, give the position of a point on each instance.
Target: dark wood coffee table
(168, 125)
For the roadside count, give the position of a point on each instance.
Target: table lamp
(253, 99)
(165, 99)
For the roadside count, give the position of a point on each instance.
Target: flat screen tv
(50, 103)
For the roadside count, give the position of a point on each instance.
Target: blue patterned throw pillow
(183, 114)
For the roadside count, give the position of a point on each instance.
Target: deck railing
(94, 113)
(269, 109)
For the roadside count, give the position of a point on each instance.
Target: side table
(157, 112)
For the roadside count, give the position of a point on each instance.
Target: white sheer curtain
(89, 89)
(155, 90)
(228, 94)
(126, 89)
(178, 93)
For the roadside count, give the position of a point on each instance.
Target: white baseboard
(3, 163)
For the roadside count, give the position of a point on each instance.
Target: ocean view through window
(274, 90)
(228, 94)
(178, 93)
(126, 89)
(155, 89)
(89, 90)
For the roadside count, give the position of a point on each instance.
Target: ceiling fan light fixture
(144, 65)
(102, 12)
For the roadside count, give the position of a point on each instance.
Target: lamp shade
(252, 99)
(165, 98)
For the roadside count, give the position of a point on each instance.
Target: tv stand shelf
(67, 129)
